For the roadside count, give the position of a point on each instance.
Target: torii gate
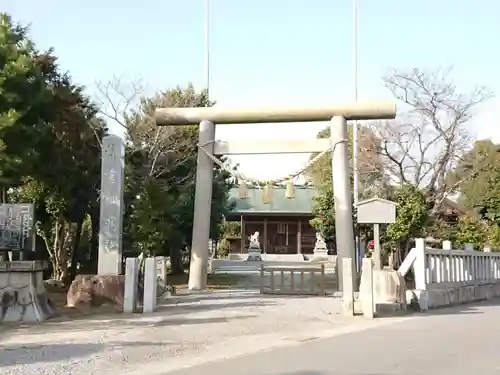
(207, 118)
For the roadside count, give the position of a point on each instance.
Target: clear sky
(271, 53)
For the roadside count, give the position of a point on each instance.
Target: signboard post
(376, 211)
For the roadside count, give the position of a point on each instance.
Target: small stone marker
(150, 285)
(131, 285)
(366, 293)
(161, 270)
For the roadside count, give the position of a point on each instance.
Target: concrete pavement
(464, 340)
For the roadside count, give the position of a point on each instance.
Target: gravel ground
(186, 331)
(460, 340)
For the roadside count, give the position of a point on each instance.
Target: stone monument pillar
(111, 222)
(254, 252)
(320, 249)
(150, 285)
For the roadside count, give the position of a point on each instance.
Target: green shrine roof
(302, 204)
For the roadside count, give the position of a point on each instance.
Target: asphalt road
(458, 341)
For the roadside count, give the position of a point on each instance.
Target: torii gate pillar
(202, 208)
(344, 226)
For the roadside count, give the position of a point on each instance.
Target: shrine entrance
(209, 149)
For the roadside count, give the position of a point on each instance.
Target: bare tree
(127, 105)
(369, 166)
(117, 97)
(425, 143)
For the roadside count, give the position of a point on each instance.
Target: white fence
(435, 268)
(236, 263)
(236, 266)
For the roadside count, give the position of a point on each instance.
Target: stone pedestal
(23, 297)
(320, 250)
(388, 289)
(254, 253)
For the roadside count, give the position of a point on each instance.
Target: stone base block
(318, 253)
(254, 255)
(390, 309)
(348, 306)
(23, 297)
(452, 295)
(388, 286)
(283, 257)
(330, 262)
(388, 291)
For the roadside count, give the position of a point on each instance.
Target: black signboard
(16, 226)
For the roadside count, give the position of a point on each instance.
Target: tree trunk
(5, 195)
(48, 248)
(94, 239)
(75, 258)
(59, 253)
(407, 243)
(55, 250)
(176, 260)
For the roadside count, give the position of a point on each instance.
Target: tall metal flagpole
(207, 73)
(355, 144)
(355, 90)
(207, 47)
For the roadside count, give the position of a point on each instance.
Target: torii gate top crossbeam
(217, 115)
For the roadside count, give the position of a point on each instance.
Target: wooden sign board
(376, 211)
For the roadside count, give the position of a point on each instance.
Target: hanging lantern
(267, 193)
(290, 190)
(243, 190)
